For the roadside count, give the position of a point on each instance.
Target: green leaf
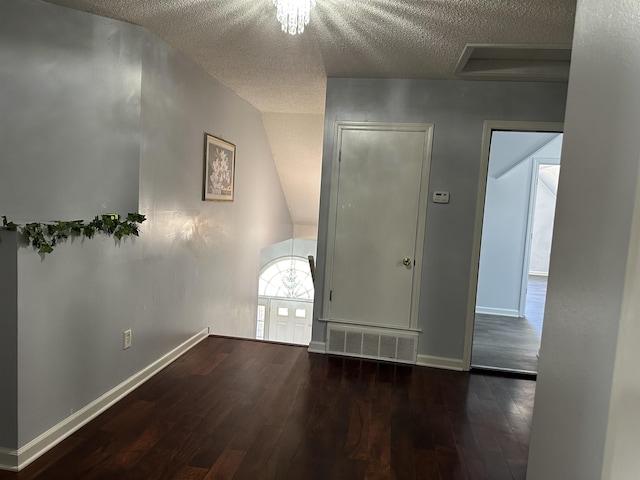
(9, 226)
(96, 223)
(75, 227)
(136, 217)
(46, 248)
(44, 236)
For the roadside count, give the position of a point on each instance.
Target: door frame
(489, 127)
(341, 126)
(533, 193)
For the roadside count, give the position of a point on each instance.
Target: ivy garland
(45, 236)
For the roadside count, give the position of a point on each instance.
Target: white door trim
(533, 192)
(341, 126)
(489, 127)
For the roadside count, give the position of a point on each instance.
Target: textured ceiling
(240, 43)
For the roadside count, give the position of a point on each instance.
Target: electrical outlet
(126, 338)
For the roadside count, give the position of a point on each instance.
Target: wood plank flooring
(510, 343)
(240, 409)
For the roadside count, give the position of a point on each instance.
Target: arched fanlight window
(287, 277)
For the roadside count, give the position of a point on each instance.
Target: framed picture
(219, 169)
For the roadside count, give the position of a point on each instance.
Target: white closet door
(380, 206)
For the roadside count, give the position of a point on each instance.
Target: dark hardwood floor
(239, 409)
(509, 343)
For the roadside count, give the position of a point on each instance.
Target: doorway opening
(285, 301)
(516, 224)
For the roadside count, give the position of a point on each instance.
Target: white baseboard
(441, 362)
(317, 347)
(8, 459)
(16, 460)
(505, 312)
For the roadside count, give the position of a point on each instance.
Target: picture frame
(219, 170)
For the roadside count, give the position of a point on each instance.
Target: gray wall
(458, 110)
(195, 264)
(505, 222)
(586, 417)
(70, 103)
(8, 339)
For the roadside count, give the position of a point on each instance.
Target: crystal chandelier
(293, 15)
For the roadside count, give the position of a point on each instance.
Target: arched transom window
(287, 277)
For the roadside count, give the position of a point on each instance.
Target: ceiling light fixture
(293, 15)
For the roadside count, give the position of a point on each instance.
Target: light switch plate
(126, 339)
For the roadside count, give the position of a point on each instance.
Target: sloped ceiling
(240, 43)
(512, 148)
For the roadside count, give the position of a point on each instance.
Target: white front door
(290, 321)
(378, 208)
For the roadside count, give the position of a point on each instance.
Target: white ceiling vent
(532, 63)
(374, 343)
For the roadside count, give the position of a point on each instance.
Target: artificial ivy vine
(45, 236)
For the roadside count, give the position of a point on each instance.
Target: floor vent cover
(375, 343)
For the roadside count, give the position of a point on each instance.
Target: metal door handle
(406, 261)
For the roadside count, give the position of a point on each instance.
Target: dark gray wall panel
(8, 340)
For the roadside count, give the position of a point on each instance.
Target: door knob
(406, 261)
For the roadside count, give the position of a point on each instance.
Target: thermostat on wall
(440, 197)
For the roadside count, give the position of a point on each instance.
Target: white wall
(307, 232)
(195, 264)
(221, 240)
(297, 247)
(587, 410)
(70, 131)
(506, 215)
(458, 109)
(543, 217)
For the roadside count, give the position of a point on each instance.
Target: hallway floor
(248, 410)
(508, 343)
